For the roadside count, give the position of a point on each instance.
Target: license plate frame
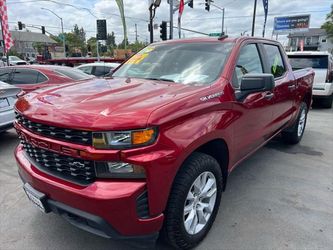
(37, 198)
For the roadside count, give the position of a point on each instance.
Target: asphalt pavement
(280, 198)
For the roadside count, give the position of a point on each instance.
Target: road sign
(61, 37)
(101, 29)
(215, 34)
(287, 24)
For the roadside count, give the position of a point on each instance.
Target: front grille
(63, 134)
(65, 167)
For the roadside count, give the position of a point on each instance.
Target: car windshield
(74, 74)
(308, 61)
(186, 63)
(14, 58)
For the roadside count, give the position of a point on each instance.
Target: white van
(322, 63)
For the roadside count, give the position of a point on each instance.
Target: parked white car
(99, 69)
(322, 63)
(8, 97)
(14, 60)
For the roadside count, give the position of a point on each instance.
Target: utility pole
(171, 19)
(223, 11)
(151, 28)
(136, 33)
(254, 17)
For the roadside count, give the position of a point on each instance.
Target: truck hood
(103, 104)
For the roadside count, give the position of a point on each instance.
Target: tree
(122, 44)
(92, 43)
(76, 41)
(328, 25)
(111, 40)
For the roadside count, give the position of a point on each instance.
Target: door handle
(269, 95)
(293, 86)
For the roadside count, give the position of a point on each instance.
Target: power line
(270, 14)
(78, 7)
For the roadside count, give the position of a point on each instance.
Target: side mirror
(253, 83)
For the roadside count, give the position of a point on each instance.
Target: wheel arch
(218, 149)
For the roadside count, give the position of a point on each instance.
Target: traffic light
(207, 5)
(101, 29)
(20, 25)
(163, 31)
(43, 30)
(190, 4)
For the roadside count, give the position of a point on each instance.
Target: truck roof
(309, 53)
(215, 39)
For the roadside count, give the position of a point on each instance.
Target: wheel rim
(199, 203)
(301, 123)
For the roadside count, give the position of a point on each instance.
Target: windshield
(14, 58)
(74, 74)
(308, 61)
(197, 63)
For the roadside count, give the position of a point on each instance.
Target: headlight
(119, 170)
(124, 139)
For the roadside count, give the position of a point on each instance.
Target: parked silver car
(99, 69)
(13, 61)
(7, 101)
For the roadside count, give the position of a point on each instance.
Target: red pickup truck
(153, 146)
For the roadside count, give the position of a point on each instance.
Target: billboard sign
(288, 24)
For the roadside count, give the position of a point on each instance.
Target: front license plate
(4, 103)
(35, 197)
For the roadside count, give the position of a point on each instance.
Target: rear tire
(294, 134)
(194, 201)
(327, 102)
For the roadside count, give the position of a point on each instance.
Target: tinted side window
(248, 62)
(4, 75)
(101, 70)
(41, 78)
(275, 61)
(24, 76)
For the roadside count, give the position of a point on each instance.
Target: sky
(238, 16)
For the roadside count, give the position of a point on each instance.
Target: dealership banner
(265, 3)
(289, 24)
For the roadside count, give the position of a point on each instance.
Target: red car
(32, 77)
(153, 147)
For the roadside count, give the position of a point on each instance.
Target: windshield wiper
(160, 79)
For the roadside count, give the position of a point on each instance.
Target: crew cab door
(284, 94)
(253, 125)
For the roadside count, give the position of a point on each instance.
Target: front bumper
(322, 90)
(112, 203)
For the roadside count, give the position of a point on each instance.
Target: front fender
(184, 137)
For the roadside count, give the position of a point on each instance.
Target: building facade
(25, 42)
(314, 39)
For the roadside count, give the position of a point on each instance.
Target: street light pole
(62, 29)
(63, 36)
(254, 17)
(171, 19)
(223, 12)
(223, 21)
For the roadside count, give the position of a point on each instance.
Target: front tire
(295, 133)
(194, 201)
